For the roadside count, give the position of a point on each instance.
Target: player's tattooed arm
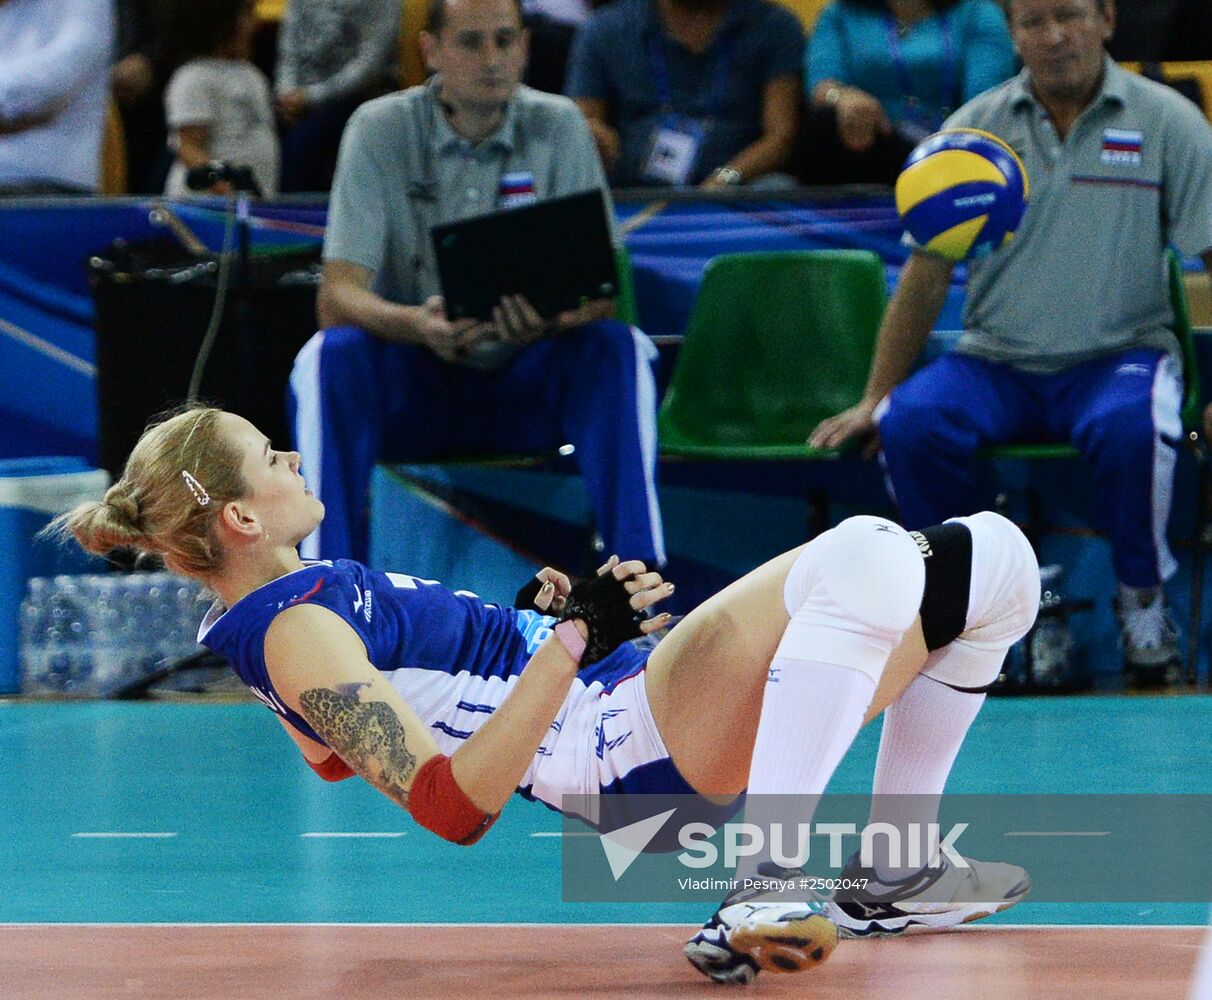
(368, 735)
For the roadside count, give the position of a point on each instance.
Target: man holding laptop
(390, 375)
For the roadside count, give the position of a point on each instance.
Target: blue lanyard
(660, 74)
(902, 69)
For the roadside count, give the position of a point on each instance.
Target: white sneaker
(747, 935)
(1149, 639)
(931, 899)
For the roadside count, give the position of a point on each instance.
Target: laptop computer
(556, 252)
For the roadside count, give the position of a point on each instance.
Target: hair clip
(196, 488)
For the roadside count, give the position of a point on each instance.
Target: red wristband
(570, 639)
(438, 803)
(331, 768)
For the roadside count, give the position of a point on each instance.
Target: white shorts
(605, 740)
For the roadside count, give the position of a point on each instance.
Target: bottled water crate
(32, 491)
(88, 636)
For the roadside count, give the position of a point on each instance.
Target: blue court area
(168, 812)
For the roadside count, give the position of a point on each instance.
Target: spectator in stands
(331, 58)
(881, 75)
(137, 80)
(1143, 29)
(390, 376)
(552, 24)
(218, 103)
(1153, 31)
(1191, 37)
(688, 92)
(54, 85)
(1065, 329)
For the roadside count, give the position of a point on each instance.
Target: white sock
(923, 732)
(811, 713)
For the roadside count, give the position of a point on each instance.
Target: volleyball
(962, 193)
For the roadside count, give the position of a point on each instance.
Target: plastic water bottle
(111, 644)
(35, 613)
(69, 649)
(90, 635)
(1052, 666)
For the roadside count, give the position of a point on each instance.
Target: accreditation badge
(674, 150)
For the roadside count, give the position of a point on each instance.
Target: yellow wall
(1199, 297)
(805, 10)
(113, 152)
(413, 17)
(270, 10)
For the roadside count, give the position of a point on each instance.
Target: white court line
(1057, 833)
(368, 833)
(964, 929)
(117, 835)
(986, 928)
(561, 833)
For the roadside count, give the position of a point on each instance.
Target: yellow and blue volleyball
(962, 193)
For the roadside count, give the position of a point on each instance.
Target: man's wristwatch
(729, 176)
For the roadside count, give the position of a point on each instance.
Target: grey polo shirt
(402, 169)
(1085, 274)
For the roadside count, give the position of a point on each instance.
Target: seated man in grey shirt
(388, 376)
(1065, 329)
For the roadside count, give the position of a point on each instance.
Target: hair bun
(120, 499)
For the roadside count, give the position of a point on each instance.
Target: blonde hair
(175, 483)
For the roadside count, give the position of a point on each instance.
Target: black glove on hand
(528, 594)
(604, 605)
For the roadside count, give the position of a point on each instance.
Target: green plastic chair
(775, 343)
(625, 305)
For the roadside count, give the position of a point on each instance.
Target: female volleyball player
(449, 705)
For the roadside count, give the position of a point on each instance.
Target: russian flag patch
(1122, 147)
(516, 189)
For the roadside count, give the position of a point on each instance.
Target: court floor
(222, 962)
(183, 850)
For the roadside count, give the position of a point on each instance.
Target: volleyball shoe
(932, 899)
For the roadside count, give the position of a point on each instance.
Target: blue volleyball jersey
(451, 656)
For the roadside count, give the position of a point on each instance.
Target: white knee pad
(1002, 604)
(852, 593)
